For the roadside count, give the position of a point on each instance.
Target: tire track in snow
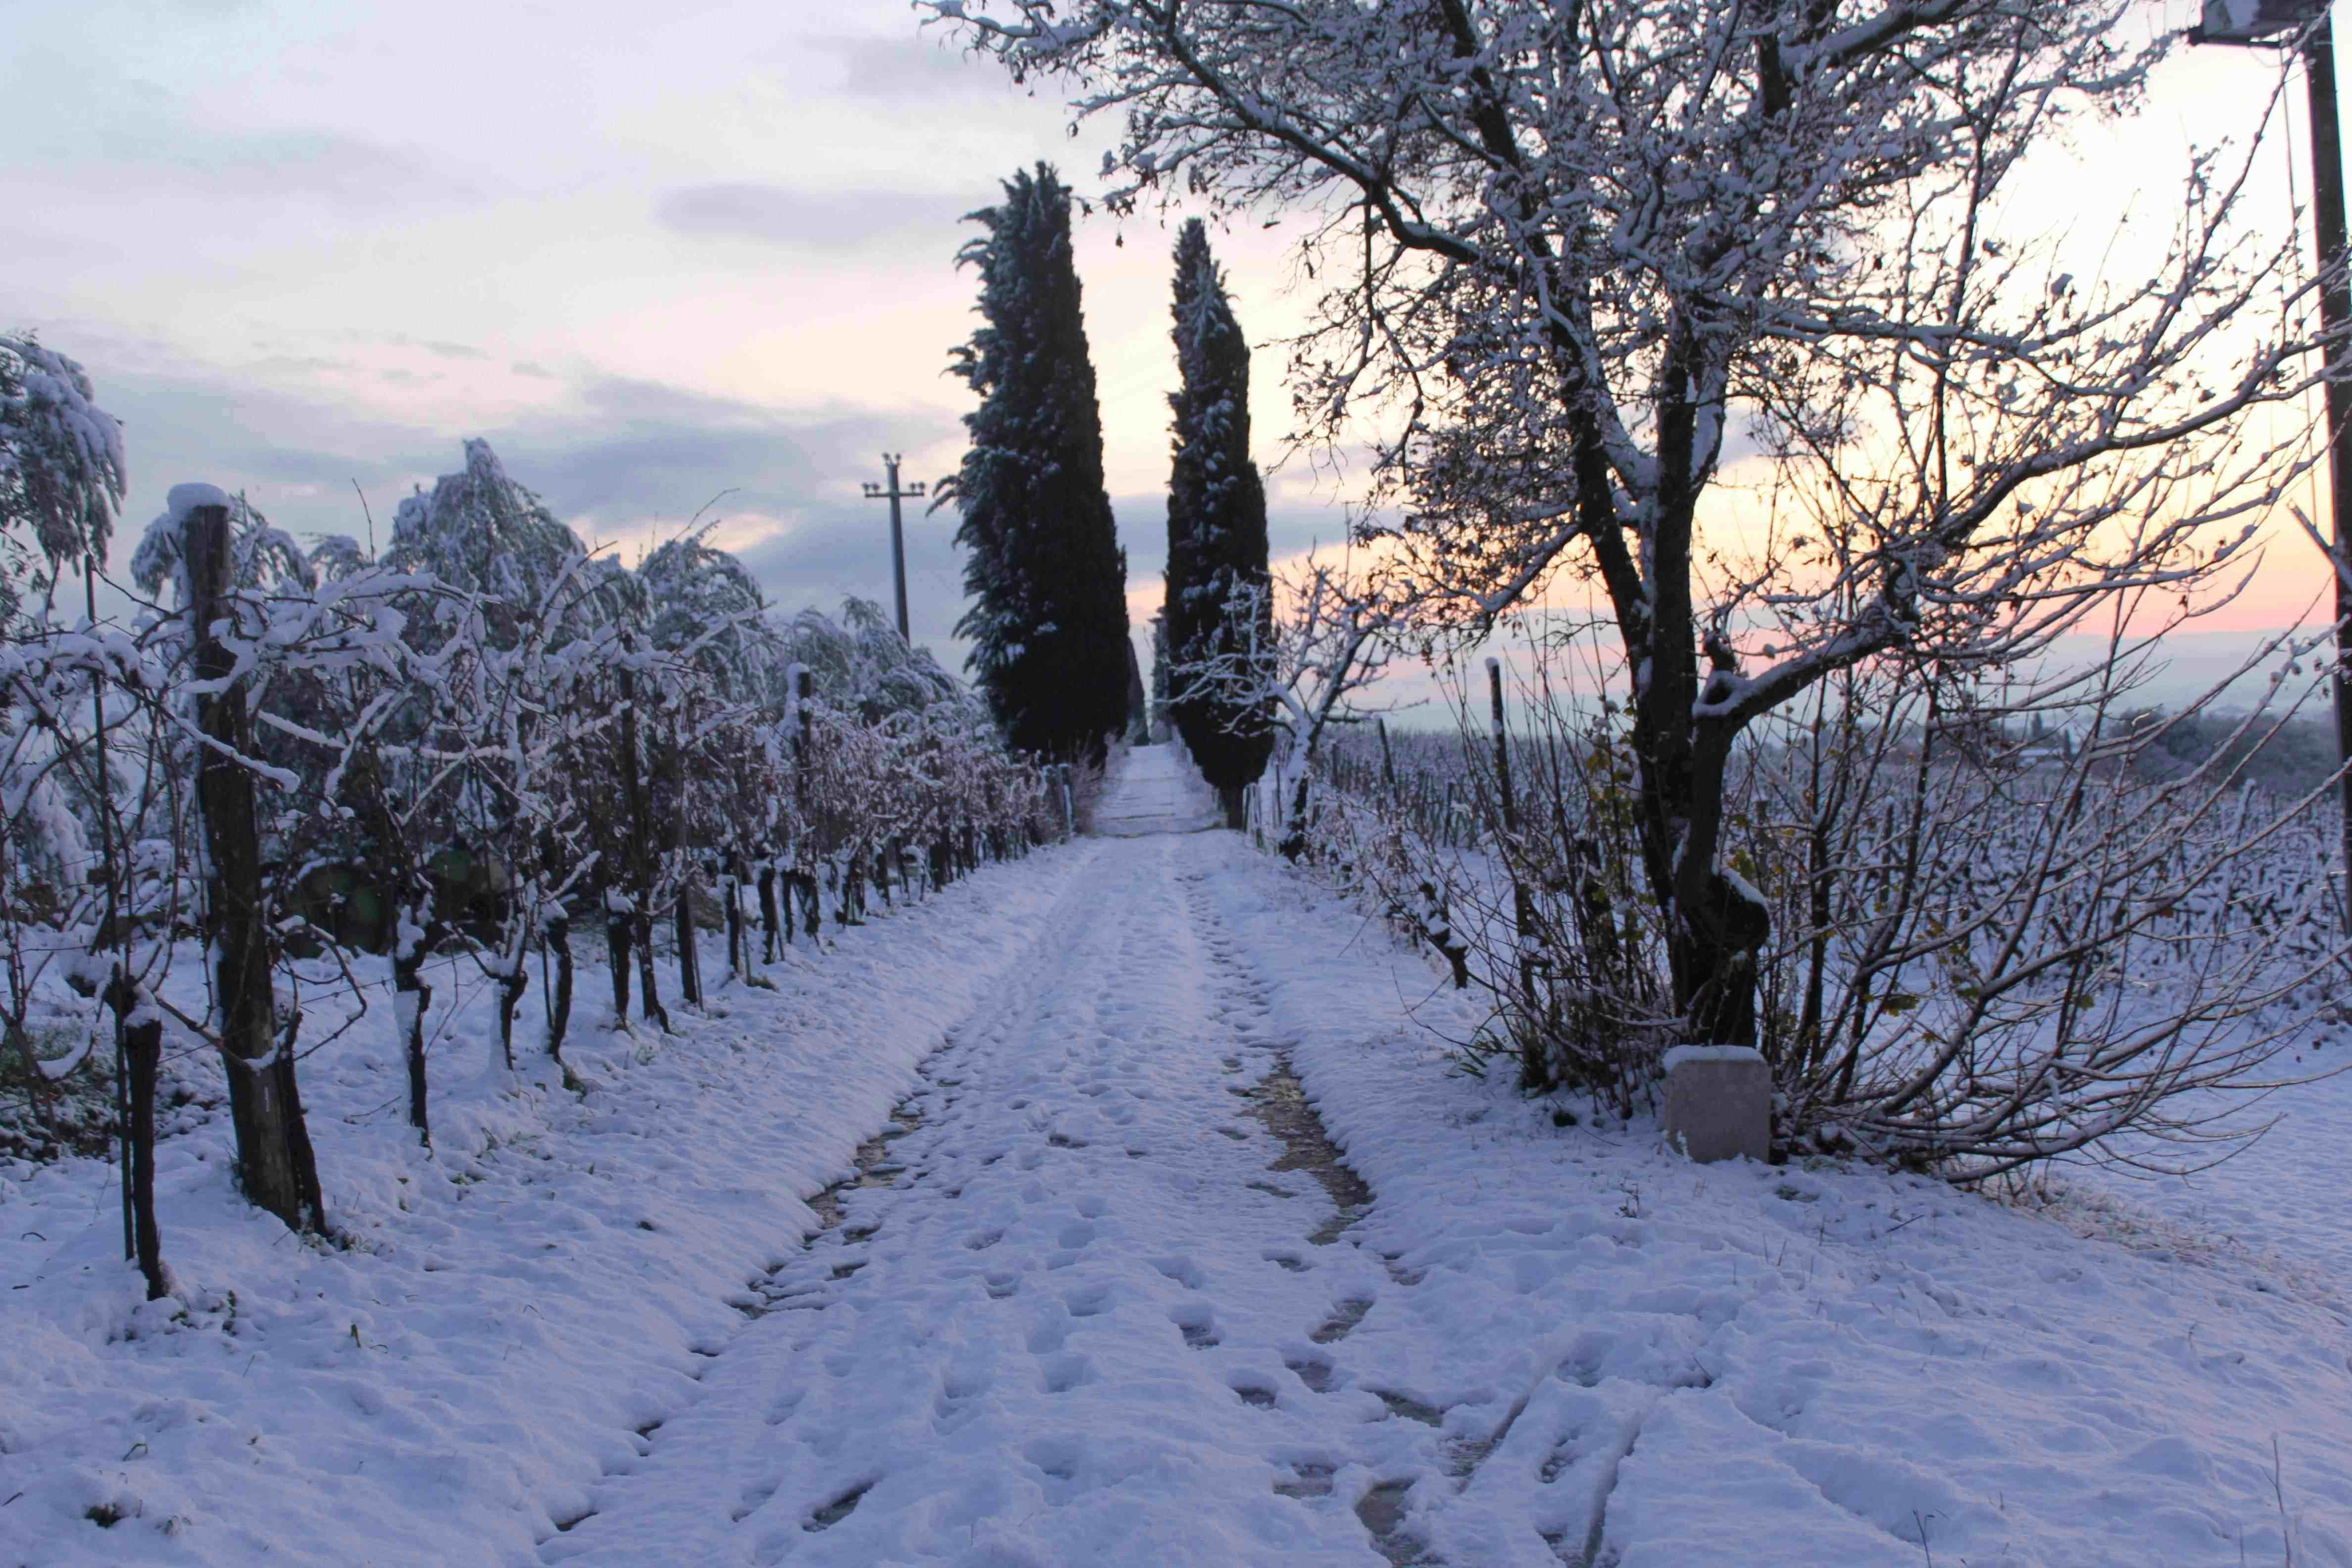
(1279, 1101)
(1077, 1324)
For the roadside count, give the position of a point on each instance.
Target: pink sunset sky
(655, 254)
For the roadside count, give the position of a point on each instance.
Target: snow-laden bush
(61, 470)
(1991, 950)
(470, 745)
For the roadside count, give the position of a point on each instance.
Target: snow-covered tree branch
(1568, 256)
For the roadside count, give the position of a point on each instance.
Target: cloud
(1291, 530)
(159, 146)
(627, 462)
(906, 64)
(776, 215)
(88, 125)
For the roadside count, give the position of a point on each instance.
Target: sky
(681, 260)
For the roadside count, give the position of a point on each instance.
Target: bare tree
(1330, 635)
(1570, 249)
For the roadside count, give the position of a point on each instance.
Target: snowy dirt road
(1085, 1310)
(1074, 1318)
(1094, 1301)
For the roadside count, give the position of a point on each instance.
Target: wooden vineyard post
(141, 1029)
(1533, 1073)
(273, 1155)
(768, 906)
(641, 878)
(689, 953)
(805, 880)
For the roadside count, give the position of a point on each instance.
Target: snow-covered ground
(1154, 790)
(1089, 1309)
(517, 1305)
(1734, 1363)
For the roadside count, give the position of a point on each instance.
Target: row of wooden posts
(277, 1168)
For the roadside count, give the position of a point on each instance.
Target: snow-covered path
(1084, 1310)
(1153, 789)
(1087, 1307)
(1084, 1313)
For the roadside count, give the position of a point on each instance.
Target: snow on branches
(61, 467)
(1575, 259)
(456, 752)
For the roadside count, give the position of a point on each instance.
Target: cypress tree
(1048, 579)
(1219, 606)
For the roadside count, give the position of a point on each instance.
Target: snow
(1085, 1308)
(1809, 1364)
(163, 550)
(181, 499)
(1153, 789)
(515, 1306)
(1681, 1054)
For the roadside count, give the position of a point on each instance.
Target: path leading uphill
(1078, 1307)
(1154, 790)
(1102, 1298)
(1097, 1293)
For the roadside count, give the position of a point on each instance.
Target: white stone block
(1719, 1102)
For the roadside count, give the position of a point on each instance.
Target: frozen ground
(1154, 790)
(1087, 1307)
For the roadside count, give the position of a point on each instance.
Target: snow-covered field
(557, 1276)
(1088, 1312)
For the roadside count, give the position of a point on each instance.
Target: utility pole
(2249, 22)
(893, 495)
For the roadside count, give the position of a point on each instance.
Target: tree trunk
(513, 981)
(1235, 800)
(559, 1017)
(265, 1122)
(618, 923)
(300, 1155)
(689, 953)
(851, 911)
(730, 895)
(1294, 838)
(769, 924)
(410, 998)
(143, 1040)
(648, 995)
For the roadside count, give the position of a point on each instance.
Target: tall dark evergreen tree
(1219, 610)
(1046, 571)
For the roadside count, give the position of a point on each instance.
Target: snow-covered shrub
(1990, 951)
(61, 466)
(466, 747)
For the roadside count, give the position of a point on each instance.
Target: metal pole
(893, 493)
(2336, 325)
(898, 551)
